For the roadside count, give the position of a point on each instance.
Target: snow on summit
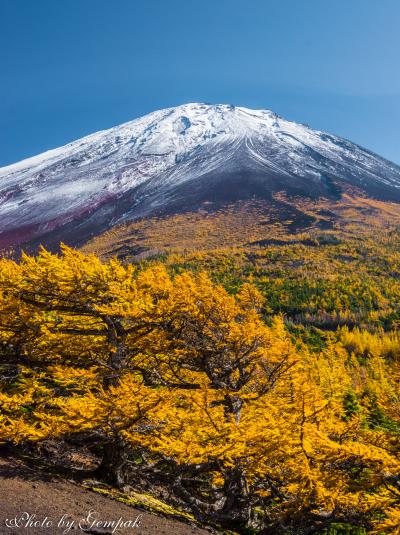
(138, 167)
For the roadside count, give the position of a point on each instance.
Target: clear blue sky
(71, 67)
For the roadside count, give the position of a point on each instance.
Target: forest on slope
(253, 387)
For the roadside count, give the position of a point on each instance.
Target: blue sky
(71, 67)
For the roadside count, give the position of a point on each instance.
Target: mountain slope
(176, 160)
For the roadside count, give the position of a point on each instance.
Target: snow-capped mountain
(177, 159)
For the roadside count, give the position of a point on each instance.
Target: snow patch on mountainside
(168, 148)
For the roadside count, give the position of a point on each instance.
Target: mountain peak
(177, 158)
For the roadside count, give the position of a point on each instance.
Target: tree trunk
(114, 465)
(233, 407)
(236, 511)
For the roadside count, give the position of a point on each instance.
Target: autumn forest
(252, 388)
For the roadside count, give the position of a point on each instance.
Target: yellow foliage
(184, 372)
